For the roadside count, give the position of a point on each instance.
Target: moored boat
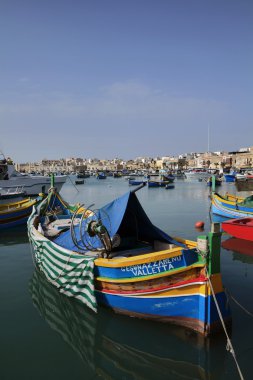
(11, 195)
(79, 181)
(231, 206)
(135, 182)
(229, 177)
(241, 228)
(197, 174)
(117, 258)
(101, 175)
(15, 213)
(10, 178)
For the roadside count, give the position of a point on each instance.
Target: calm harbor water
(45, 335)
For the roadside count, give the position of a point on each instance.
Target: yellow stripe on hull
(141, 259)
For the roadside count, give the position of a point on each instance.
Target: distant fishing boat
(79, 181)
(231, 206)
(230, 177)
(135, 182)
(101, 175)
(197, 174)
(117, 258)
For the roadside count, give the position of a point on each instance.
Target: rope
(229, 346)
(242, 307)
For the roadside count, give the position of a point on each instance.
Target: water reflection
(242, 249)
(14, 235)
(119, 347)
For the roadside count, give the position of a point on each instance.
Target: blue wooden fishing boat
(117, 258)
(230, 177)
(169, 186)
(101, 175)
(231, 206)
(135, 182)
(162, 182)
(15, 213)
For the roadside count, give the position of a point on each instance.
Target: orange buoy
(199, 224)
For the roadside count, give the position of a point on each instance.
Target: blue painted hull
(183, 308)
(229, 177)
(230, 210)
(15, 218)
(136, 183)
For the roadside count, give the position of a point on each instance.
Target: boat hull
(195, 310)
(240, 228)
(229, 208)
(15, 214)
(33, 185)
(229, 177)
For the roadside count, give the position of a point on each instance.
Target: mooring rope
(238, 303)
(229, 346)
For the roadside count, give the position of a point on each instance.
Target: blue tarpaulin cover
(123, 216)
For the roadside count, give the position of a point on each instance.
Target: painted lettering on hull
(156, 267)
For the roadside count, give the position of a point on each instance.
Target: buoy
(199, 224)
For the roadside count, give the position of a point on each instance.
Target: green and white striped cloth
(70, 272)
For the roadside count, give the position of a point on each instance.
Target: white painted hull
(32, 185)
(197, 175)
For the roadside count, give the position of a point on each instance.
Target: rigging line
(73, 183)
(242, 307)
(230, 347)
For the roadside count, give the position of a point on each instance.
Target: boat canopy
(124, 217)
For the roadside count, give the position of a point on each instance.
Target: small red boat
(240, 228)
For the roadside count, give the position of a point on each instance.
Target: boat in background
(116, 257)
(162, 182)
(169, 186)
(16, 213)
(135, 182)
(10, 178)
(79, 181)
(229, 177)
(231, 206)
(101, 175)
(197, 174)
(241, 228)
(11, 195)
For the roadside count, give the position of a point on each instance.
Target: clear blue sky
(124, 78)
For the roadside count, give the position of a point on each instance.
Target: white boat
(197, 174)
(11, 195)
(11, 179)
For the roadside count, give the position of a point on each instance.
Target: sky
(124, 78)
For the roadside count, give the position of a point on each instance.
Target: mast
(208, 139)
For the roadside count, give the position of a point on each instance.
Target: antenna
(208, 139)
